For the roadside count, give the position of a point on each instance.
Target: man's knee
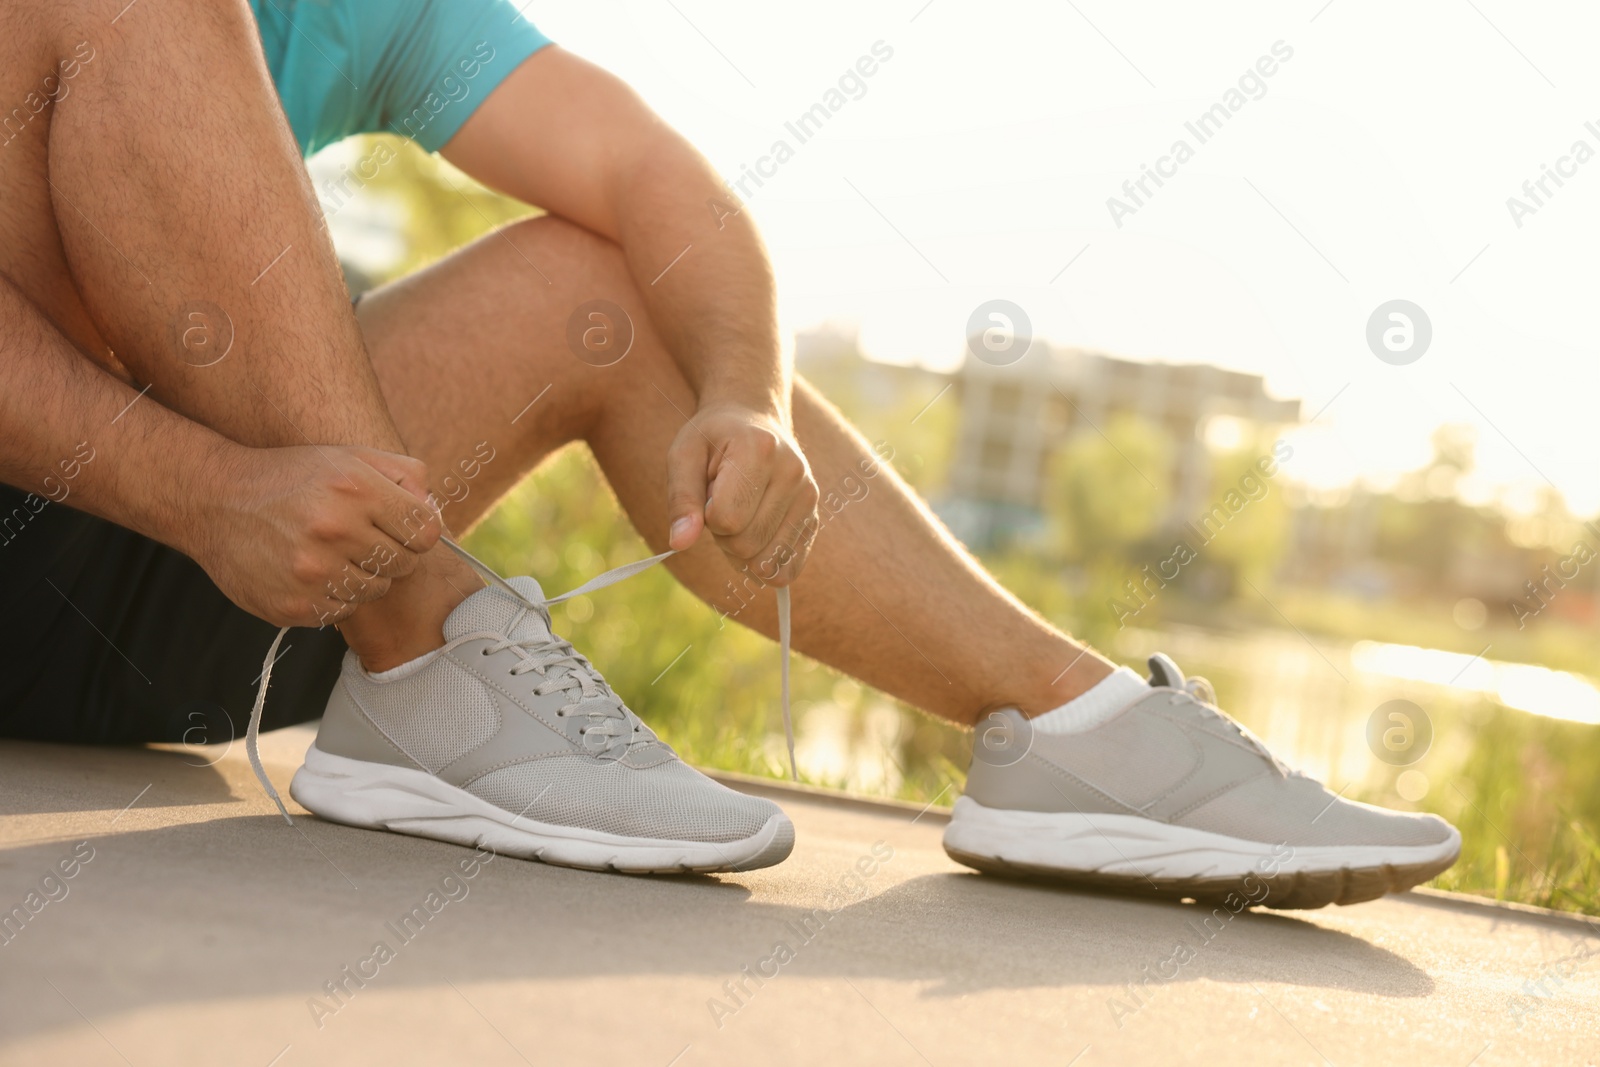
(599, 315)
(593, 290)
(595, 262)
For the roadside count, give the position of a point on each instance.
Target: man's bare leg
(212, 207)
(178, 191)
(463, 348)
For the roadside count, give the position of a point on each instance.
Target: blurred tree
(1423, 526)
(1252, 544)
(1106, 493)
(1455, 450)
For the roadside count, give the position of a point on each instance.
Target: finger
(413, 527)
(687, 473)
(782, 559)
(380, 555)
(400, 506)
(407, 472)
(741, 476)
(786, 485)
(369, 549)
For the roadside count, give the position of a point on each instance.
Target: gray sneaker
(508, 737)
(1173, 797)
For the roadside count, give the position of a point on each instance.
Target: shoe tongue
(1164, 673)
(491, 610)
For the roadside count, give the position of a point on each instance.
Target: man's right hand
(302, 536)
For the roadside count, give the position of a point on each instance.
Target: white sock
(1099, 705)
(406, 669)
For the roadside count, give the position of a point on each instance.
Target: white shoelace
(487, 573)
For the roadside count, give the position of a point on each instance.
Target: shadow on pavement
(247, 906)
(42, 778)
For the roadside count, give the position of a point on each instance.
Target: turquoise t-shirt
(418, 68)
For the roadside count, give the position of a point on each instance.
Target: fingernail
(681, 526)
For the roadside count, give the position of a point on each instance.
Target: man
(183, 498)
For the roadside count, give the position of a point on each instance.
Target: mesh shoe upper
(1174, 757)
(435, 716)
(515, 715)
(1299, 811)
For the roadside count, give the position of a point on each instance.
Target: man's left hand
(740, 474)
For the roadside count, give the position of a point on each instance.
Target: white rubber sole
(377, 796)
(1133, 853)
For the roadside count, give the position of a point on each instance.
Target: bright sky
(1377, 166)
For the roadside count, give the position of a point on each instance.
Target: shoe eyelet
(483, 651)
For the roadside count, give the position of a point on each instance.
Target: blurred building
(830, 357)
(1015, 417)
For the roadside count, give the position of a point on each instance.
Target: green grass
(1524, 800)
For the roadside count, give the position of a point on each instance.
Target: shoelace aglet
(252, 745)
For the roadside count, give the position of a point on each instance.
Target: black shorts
(107, 637)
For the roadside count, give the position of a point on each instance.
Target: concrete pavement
(197, 927)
